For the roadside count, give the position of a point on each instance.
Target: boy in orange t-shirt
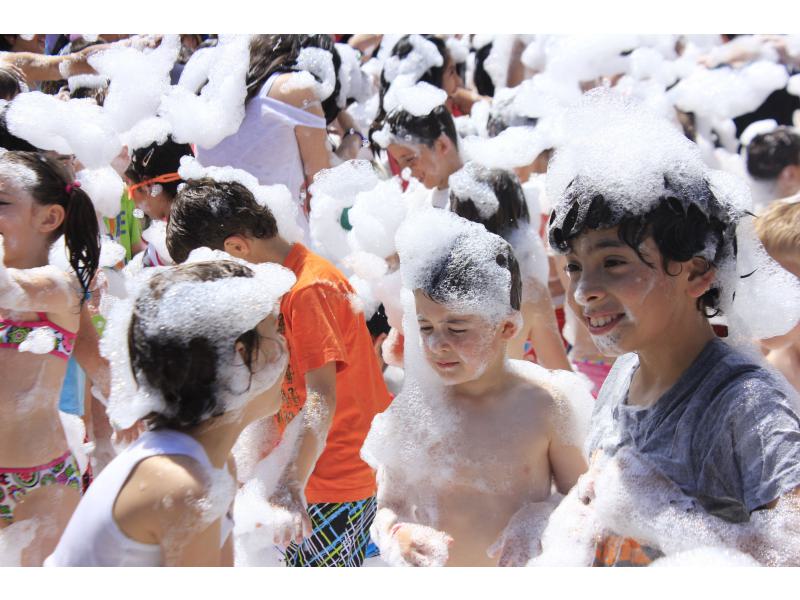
(333, 374)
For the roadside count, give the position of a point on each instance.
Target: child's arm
(544, 331)
(42, 289)
(319, 407)
(567, 464)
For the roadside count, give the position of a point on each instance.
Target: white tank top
(265, 145)
(92, 537)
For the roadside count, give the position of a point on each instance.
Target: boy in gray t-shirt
(651, 252)
(726, 433)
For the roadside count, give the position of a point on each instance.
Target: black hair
(158, 159)
(278, 53)
(512, 210)
(457, 275)
(433, 76)
(96, 93)
(425, 129)
(207, 212)
(183, 370)
(680, 228)
(378, 323)
(55, 186)
(769, 153)
(10, 85)
(481, 78)
(8, 140)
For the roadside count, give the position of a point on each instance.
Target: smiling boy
(650, 241)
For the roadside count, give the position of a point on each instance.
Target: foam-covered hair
(459, 264)
(171, 343)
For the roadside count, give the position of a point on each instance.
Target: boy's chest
(498, 453)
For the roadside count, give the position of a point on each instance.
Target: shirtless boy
(510, 428)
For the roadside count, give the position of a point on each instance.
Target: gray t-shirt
(727, 433)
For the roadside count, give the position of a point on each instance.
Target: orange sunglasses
(165, 178)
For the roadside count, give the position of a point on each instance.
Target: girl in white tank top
(207, 361)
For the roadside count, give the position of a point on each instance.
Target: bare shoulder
(563, 394)
(293, 89)
(159, 490)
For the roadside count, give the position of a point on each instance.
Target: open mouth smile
(600, 324)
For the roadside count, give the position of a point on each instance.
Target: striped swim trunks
(340, 535)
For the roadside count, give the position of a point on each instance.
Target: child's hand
(421, 546)
(291, 520)
(520, 541)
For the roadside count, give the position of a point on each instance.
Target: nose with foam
(588, 289)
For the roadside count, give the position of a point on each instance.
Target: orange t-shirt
(320, 326)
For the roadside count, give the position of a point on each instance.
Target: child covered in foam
(196, 353)
(466, 454)
(688, 429)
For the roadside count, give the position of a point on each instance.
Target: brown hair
(55, 185)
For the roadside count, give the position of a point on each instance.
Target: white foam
(39, 341)
(208, 118)
(319, 63)
(354, 82)
(333, 191)
(104, 188)
(77, 126)
(466, 185)
(724, 93)
(138, 80)
(423, 56)
(418, 99)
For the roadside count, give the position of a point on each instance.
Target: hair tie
(72, 186)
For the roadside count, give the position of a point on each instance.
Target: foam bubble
(318, 63)
(418, 99)
(217, 112)
(465, 185)
(39, 341)
(724, 93)
(104, 187)
(77, 126)
(138, 79)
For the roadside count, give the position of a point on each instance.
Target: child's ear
(50, 217)
(509, 330)
(442, 144)
(237, 246)
(239, 346)
(701, 276)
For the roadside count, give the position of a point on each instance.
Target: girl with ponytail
(40, 307)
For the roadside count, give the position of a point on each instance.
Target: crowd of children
(418, 300)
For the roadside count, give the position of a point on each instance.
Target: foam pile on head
(459, 264)
(468, 183)
(183, 314)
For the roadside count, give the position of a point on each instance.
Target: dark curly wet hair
(679, 227)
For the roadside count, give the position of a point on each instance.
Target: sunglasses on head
(165, 178)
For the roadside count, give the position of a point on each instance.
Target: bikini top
(14, 333)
